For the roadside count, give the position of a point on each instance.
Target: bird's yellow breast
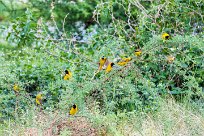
(138, 52)
(68, 76)
(102, 62)
(16, 88)
(165, 36)
(73, 111)
(109, 67)
(124, 61)
(38, 99)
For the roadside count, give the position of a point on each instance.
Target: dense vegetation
(40, 40)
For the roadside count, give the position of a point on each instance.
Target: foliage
(136, 86)
(44, 46)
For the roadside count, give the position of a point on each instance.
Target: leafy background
(40, 39)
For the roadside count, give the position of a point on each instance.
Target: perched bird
(165, 36)
(102, 62)
(67, 75)
(109, 67)
(170, 59)
(138, 52)
(38, 99)
(124, 61)
(16, 88)
(73, 110)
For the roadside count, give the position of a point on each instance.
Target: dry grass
(172, 119)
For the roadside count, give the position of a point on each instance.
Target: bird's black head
(167, 37)
(66, 72)
(74, 106)
(112, 64)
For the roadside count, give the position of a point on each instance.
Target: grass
(171, 119)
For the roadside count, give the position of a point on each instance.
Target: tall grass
(171, 119)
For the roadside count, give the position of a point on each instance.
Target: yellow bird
(16, 88)
(73, 110)
(138, 52)
(109, 67)
(165, 36)
(67, 75)
(38, 99)
(124, 61)
(102, 62)
(170, 59)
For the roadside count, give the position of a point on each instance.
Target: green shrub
(39, 62)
